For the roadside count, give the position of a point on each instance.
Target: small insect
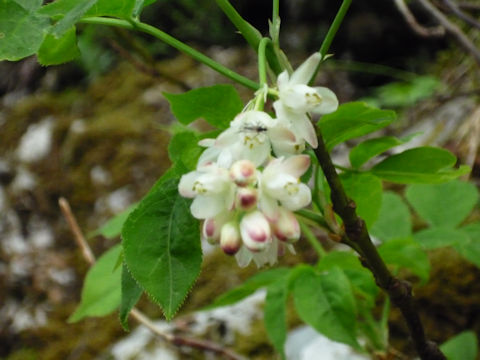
(254, 128)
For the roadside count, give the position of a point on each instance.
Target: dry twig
(421, 30)
(135, 313)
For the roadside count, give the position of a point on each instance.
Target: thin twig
(469, 6)
(135, 313)
(421, 30)
(465, 17)
(453, 29)
(400, 292)
(77, 233)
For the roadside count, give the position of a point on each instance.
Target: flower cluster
(245, 195)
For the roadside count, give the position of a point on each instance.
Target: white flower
(286, 227)
(230, 239)
(269, 256)
(251, 136)
(212, 189)
(296, 99)
(255, 230)
(280, 183)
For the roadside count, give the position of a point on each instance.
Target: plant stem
(332, 31)
(251, 35)
(177, 44)
(311, 238)
(400, 292)
(262, 73)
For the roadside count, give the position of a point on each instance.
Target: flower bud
(230, 240)
(211, 230)
(246, 198)
(255, 230)
(243, 172)
(286, 228)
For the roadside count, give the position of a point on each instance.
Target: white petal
(295, 165)
(283, 79)
(255, 230)
(206, 142)
(304, 72)
(329, 102)
(204, 207)
(304, 129)
(208, 156)
(284, 142)
(269, 207)
(243, 257)
(299, 200)
(185, 187)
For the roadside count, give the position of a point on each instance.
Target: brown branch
(135, 313)
(452, 29)
(421, 30)
(399, 291)
(459, 13)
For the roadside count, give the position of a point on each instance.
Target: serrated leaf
(21, 31)
(55, 51)
(445, 205)
(218, 105)
(275, 314)
(406, 253)
(101, 289)
(119, 8)
(394, 220)
(419, 165)
(353, 120)
(131, 293)
(248, 287)
(361, 279)
(184, 147)
(464, 346)
(368, 149)
(470, 250)
(113, 227)
(438, 237)
(326, 302)
(161, 241)
(67, 12)
(366, 191)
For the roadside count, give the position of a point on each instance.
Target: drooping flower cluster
(245, 195)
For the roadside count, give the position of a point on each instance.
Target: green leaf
(366, 191)
(397, 94)
(69, 12)
(101, 289)
(55, 51)
(184, 147)
(161, 241)
(408, 254)
(248, 287)
(326, 302)
(218, 105)
(394, 220)
(113, 227)
(368, 149)
(118, 8)
(29, 5)
(21, 31)
(361, 279)
(275, 314)
(131, 293)
(353, 120)
(464, 346)
(470, 249)
(438, 237)
(419, 165)
(445, 205)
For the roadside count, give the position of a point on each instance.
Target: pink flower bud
(246, 198)
(211, 231)
(243, 172)
(230, 240)
(255, 230)
(286, 228)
